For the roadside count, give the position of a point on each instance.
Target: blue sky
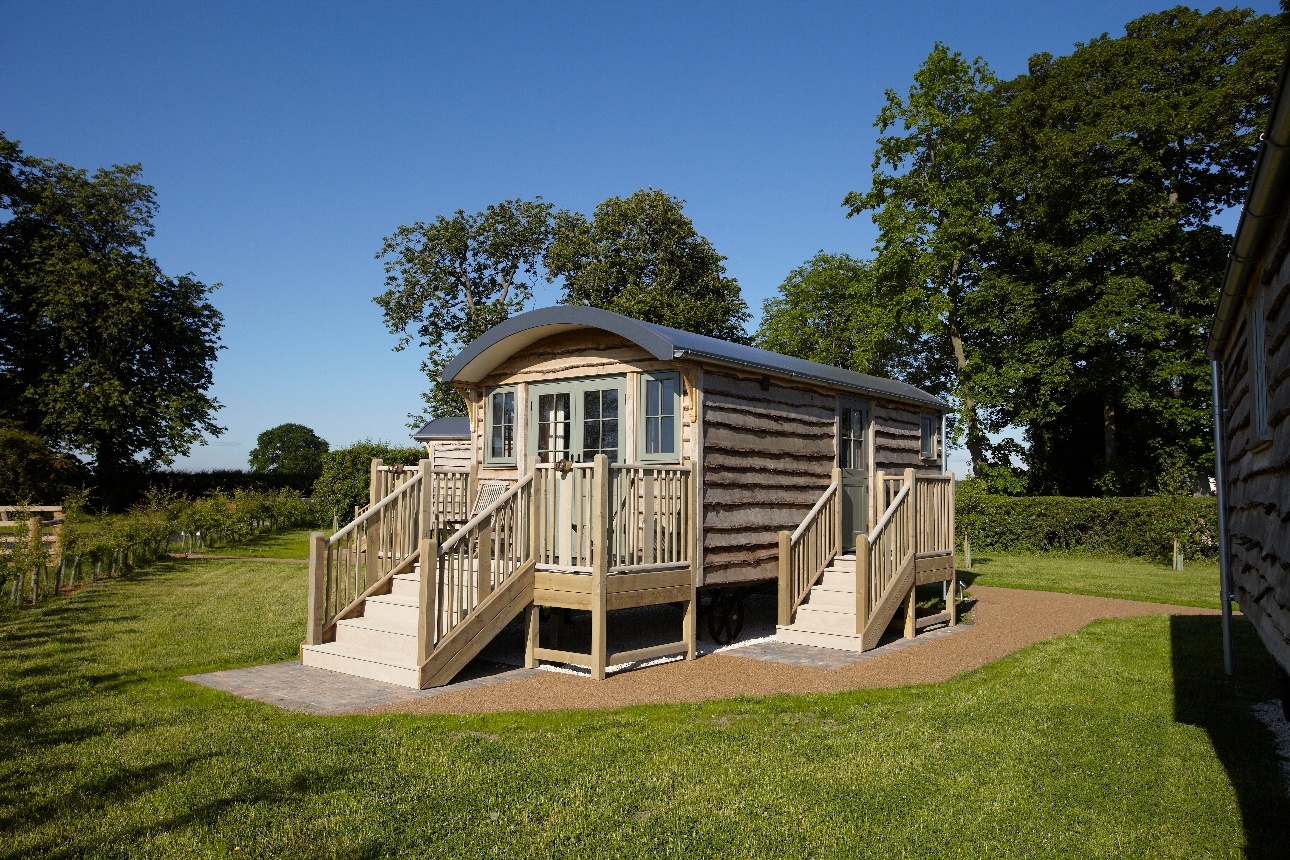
(285, 140)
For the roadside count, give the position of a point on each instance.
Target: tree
(346, 475)
(291, 449)
(641, 256)
(832, 309)
(451, 279)
(1112, 162)
(931, 200)
(101, 353)
(31, 473)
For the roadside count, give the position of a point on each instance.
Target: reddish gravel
(1006, 620)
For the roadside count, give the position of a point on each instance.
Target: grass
(1127, 579)
(1122, 740)
(293, 543)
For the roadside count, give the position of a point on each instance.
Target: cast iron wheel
(727, 619)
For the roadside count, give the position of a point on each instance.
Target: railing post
(915, 529)
(426, 522)
(317, 587)
(878, 500)
(862, 582)
(785, 580)
(374, 493)
(427, 589)
(599, 564)
(484, 562)
(952, 603)
(836, 547)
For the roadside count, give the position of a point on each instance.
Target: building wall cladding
(1258, 470)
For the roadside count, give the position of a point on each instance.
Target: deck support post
(317, 587)
(952, 602)
(532, 631)
(915, 527)
(599, 564)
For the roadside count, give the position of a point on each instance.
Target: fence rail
(650, 519)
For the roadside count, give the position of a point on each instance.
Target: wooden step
(399, 640)
(798, 636)
(838, 580)
(363, 662)
(392, 609)
(407, 585)
(825, 620)
(831, 598)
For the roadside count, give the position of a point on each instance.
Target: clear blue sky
(285, 142)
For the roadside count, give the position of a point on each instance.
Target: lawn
(293, 543)
(1127, 579)
(1122, 740)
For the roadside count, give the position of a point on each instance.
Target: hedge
(1136, 527)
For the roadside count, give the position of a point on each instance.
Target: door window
(851, 447)
(577, 419)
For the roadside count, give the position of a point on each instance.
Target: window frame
(491, 461)
(642, 416)
(929, 440)
(576, 388)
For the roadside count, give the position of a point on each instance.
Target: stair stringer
(886, 610)
(479, 628)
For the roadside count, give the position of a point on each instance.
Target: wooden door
(853, 462)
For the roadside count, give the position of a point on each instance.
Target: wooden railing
(450, 497)
(562, 511)
(807, 551)
(885, 562)
(475, 561)
(651, 524)
(935, 503)
(351, 565)
(885, 488)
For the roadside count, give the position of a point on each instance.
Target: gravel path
(1006, 620)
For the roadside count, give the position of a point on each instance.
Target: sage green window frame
(671, 421)
(578, 418)
(929, 433)
(489, 418)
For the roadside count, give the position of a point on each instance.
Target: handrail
(485, 513)
(891, 509)
(806, 553)
(797, 533)
(372, 510)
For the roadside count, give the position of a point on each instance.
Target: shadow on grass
(1205, 697)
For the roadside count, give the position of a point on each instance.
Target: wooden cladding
(1255, 378)
(768, 456)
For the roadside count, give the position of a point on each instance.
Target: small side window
(499, 441)
(929, 440)
(660, 417)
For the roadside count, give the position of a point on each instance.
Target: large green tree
(451, 279)
(641, 256)
(930, 197)
(1111, 163)
(291, 449)
(834, 310)
(101, 353)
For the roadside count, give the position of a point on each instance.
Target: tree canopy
(101, 353)
(451, 279)
(1046, 254)
(291, 449)
(642, 257)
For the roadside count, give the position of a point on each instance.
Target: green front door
(853, 461)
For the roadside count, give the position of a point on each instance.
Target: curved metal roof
(451, 427)
(482, 355)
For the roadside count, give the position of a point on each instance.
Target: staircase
(380, 644)
(827, 618)
(388, 602)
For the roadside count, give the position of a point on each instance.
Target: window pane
(610, 408)
(668, 445)
(591, 405)
(509, 410)
(651, 436)
(667, 404)
(496, 446)
(591, 436)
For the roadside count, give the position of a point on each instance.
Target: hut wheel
(726, 620)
